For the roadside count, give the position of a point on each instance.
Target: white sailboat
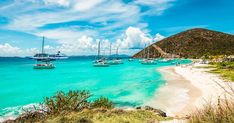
(148, 60)
(117, 60)
(101, 62)
(43, 59)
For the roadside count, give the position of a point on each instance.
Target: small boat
(165, 60)
(148, 61)
(100, 62)
(130, 59)
(115, 61)
(44, 66)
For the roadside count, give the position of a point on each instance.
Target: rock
(139, 107)
(148, 108)
(160, 112)
(157, 111)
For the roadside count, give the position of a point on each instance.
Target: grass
(221, 113)
(209, 66)
(225, 73)
(225, 69)
(107, 116)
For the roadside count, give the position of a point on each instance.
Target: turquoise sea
(130, 84)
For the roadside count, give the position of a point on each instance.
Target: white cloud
(159, 37)
(84, 5)
(134, 38)
(64, 35)
(87, 45)
(8, 50)
(58, 2)
(93, 11)
(157, 7)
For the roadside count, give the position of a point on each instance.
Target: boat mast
(144, 50)
(110, 49)
(117, 51)
(42, 48)
(99, 49)
(148, 52)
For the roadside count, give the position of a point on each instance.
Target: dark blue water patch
(123, 93)
(127, 104)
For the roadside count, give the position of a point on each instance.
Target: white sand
(187, 89)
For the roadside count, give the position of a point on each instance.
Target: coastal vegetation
(221, 112)
(225, 69)
(194, 43)
(76, 107)
(222, 65)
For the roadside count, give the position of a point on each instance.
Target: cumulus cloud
(134, 39)
(8, 50)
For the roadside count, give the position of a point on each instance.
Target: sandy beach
(187, 89)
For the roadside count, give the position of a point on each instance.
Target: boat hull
(43, 66)
(101, 65)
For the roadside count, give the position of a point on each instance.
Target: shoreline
(187, 89)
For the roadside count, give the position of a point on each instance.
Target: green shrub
(71, 101)
(102, 102)
(74, 101)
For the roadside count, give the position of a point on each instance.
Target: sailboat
(117, 60)
(148, 60)
(101, 62)
(43, 59)
(143, 55)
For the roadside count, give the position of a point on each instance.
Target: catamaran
(43, 59)
(148, 60)
(101, 62)
(117, 60)
(46, 65)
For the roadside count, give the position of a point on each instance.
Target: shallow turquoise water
(129, 84)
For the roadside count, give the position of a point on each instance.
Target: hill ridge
(193, 43)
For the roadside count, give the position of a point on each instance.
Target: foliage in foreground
(74, 101)
(74, 107)
(221, 113)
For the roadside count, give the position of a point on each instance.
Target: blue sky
(75, 26)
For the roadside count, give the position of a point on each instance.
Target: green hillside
(194, 43)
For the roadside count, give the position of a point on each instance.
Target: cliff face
(193, 43)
